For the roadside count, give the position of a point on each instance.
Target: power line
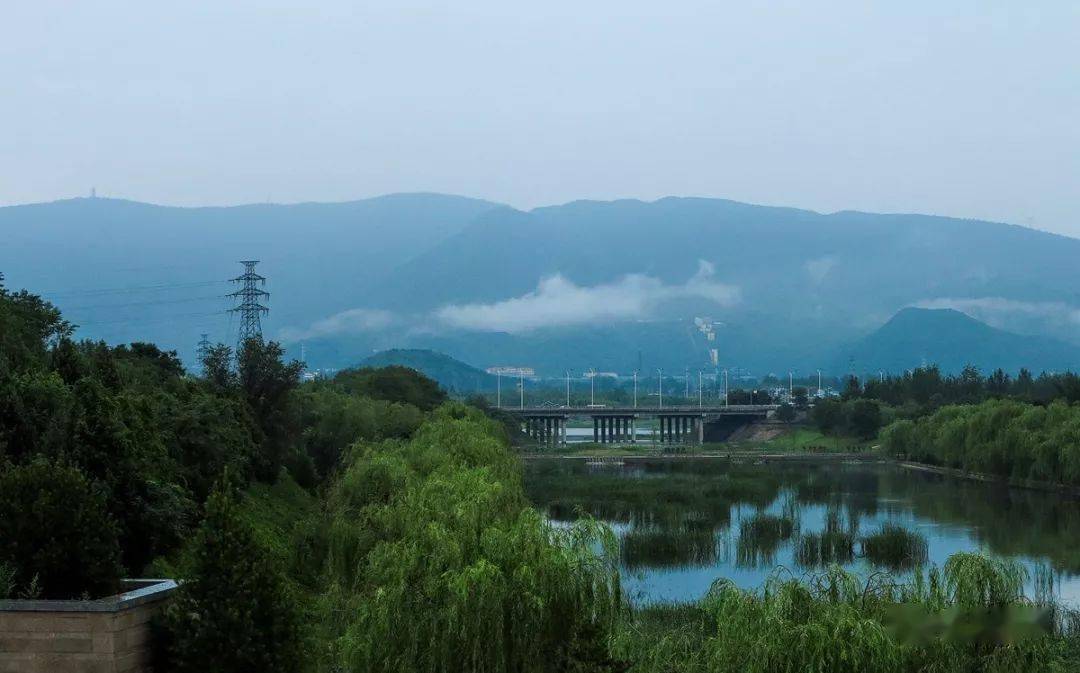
(100, 307)
(125, 290)
(144, 320)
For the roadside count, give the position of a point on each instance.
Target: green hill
(453, 375)
(951, 339)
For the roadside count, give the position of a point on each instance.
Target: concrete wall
(110, 635)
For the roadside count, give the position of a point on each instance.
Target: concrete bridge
(615, 425)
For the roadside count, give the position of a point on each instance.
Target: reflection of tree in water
(760, 538)
(655, 499)
(1008, 521)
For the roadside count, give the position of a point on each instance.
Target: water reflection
(683, 523)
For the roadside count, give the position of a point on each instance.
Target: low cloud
(999, 311)
(352, 321)
(559, 302)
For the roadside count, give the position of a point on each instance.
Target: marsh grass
(968, 617)
(652, 547)
(760, 537)
(896, 548)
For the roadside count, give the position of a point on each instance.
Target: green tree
(234, 613)
(828, 415)
(393, 384)
(267, 384)
(785, 413)
(57, 532)
(864, 418)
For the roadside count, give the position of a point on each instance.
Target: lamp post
(498, 389)
(521, 385)
(699, 389)
(592, 387)
(567, 387)
(725, 388)
(660, 373)
(635, 389)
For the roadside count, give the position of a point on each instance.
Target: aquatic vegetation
(838, 622)
(759, 538)
(821, 549)
(896, 548)
(657, 547)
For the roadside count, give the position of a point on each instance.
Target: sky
(965, 108)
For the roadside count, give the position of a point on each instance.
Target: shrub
(57, 532)
(234, 612)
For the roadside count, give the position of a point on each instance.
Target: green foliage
(28, 325)
(896, 548)
(234, 613)
(851, 416)
(837, 622)
(436, 534)
(333, 420)
(1000, 437)
(267, 383)
(785, 413)
(760, 537)
(393, 384)
(56, 531)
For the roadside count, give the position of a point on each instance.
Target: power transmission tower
(250, 309)
(203, 350)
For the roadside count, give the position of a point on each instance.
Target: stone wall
(111, 635)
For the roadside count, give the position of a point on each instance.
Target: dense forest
(367, 523)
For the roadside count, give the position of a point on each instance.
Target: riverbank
(1032, 484)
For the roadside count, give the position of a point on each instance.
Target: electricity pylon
(250, 308)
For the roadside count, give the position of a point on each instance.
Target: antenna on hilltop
(250, 309)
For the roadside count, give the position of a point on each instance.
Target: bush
(57, 532)
(234, 612)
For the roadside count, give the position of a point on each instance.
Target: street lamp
(699, 389)
(567, 387)
(498, 389)
(521, 385)
(660, 373)
(635, 389)
(592, 387)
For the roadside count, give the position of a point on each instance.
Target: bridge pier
(546, 430)
(681, 428)
(614, 428)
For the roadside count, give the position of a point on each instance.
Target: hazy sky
(968, 108)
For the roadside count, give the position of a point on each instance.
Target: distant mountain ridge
(950, 339)
(351, 278)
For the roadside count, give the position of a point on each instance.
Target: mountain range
(615, 285)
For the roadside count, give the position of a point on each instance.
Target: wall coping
(139, 592)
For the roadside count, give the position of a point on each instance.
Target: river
(683, 523)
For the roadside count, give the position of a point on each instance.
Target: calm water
(683, 523)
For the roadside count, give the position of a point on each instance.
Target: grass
(809, 440)
(895, 548)
(969, 617)
(760, 537)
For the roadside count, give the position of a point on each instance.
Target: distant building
(512, 371)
